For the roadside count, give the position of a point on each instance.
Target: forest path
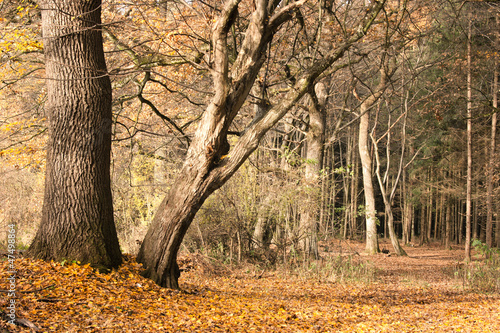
(430, 264)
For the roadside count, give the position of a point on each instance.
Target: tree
(314, 163)
(210, 161)
(366, 164)
(77, 216)
(492, 152)
(387, 193)
(468, 200)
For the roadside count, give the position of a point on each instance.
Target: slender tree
(387, 193)
(492, 150)
(366, 160)
(468, 200)
(77, 216)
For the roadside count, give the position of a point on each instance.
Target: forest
(194, 148)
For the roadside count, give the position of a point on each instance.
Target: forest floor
(347, 291)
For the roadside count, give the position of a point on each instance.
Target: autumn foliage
(415, 294)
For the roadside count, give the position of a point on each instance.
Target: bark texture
(77, 216)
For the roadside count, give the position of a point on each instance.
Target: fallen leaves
(75, 298)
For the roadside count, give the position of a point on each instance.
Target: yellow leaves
(21, 124)
(19, 40)
(82, 299)
(28, 146)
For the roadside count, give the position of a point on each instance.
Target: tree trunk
(258, 238)
(208, 164)
(423, 224)
(366, 163)
(492, 159)
(314, 163)
(468, 200)
(447, 229)
(429, 210)
(354, 194)
(384, 188)
(77, 215)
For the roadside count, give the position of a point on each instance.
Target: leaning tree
(211, 160)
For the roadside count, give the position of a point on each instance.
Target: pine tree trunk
(468, 200)
(429, 210)
(77, 216)
(492, 160)
(447, 230)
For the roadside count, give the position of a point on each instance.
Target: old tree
(210, 160)
(77, 216)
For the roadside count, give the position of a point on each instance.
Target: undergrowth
(340, 269)
(483, 275)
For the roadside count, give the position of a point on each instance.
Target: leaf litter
(414, 294)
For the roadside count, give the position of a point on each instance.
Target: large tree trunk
(208, 164)
(77, 216)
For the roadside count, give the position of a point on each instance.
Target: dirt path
(430, 265)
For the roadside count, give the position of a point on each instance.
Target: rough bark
(208, 164)
(77, 216)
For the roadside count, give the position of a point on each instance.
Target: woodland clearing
(420, 293)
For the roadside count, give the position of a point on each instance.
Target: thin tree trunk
(366, 162)
(77, 215)
(389, 215)
(429, 210)
(354, 194)
(468, 201)
(447, 229)
(439, 216)
(423, 224)
(492, 160)
(384, 187)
